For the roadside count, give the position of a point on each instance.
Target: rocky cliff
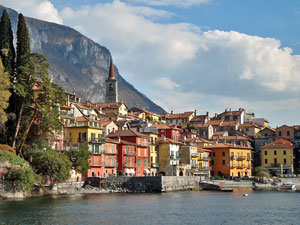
(77, 63)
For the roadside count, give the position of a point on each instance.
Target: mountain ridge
(77, 63)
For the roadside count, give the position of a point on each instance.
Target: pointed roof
(280, 143)
(111, 70)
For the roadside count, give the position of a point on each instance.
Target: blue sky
(195, 54)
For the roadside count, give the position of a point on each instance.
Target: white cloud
(166, 83)
(40, 9)
(188, 68)
(178, 3)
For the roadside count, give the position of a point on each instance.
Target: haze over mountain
(77, 63)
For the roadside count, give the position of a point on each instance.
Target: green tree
(259, 169)
(52, 164)
(23, 41)
(22, 177)
(4, 93)
(7, 50)
(40, 100)
(80, 158)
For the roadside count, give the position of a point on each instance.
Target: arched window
(111, 88)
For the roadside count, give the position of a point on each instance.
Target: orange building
(230, 160)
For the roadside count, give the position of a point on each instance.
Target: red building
(133, 147)
(103, 161)
(168, 131)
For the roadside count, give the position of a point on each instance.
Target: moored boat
(288, 185)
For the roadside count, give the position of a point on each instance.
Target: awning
(146, 171)
(127, 171)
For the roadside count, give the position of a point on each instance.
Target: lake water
(194, 207)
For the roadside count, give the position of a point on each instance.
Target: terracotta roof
(199, 118)
(203, 150)
(230, 123)
(110, 114)
(111, 105)
(81, 119)
(268, 128)
(213, 123)
(284, 126)
(66, 107)
(202, 140)
(233, 113)
(111, 70)
(199, 125)
(126, 133)
(280, 143)
(82, 107)
(250, 125)
(108, 140)
(105, 123)
(168, 140)
(180, 115)
(161, 126)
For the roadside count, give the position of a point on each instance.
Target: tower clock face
(111, 88)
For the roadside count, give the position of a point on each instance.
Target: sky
(207, 55)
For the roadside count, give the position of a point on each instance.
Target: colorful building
(103, 161)
(230, 160)
(168, 131)
(169, 157)
(142, 149)
(278, 156)
(203, 162)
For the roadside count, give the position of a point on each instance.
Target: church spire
(111, 70)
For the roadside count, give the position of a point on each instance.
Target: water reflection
(157, 208)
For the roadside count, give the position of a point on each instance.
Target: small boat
(226, 189)
(245, 195)
(288, 185)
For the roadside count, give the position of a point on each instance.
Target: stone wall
(172, 183)
(146, 184)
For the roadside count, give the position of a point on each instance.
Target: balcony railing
(129, 153)
(194, 155)
(154, 165)
(110, 152)
(248, 159)
(204, 159)
(110, 165)
(130, 165)
(233, 166)
(97, 140)
(241, 158)
(174, 157)
(82, 140)
(96, 164)
(241, 166)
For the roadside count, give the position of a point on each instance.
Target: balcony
(241, 166)
(174, 157)
(96, 164)
(110, 165)
(82, 140)
(154, 165)
(241, 158)
(97, 140)
(204, 159)
(130, 165)
(194, 155)
(233, 166)
(110, 152)
(130, 153)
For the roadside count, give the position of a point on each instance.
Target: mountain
(78, 63)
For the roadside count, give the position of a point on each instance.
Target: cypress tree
(7, 51)
(23, 42)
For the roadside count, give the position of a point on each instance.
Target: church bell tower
(111, 85)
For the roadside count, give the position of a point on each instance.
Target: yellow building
(230, 160)
(153, 154)
(278, 155)
(201, 143)
(84, 130)
(203, 162)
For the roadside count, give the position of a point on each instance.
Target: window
(223, 153)
(213, 154)
(279, 133)
(288, 133)
(284, 152)
(139, 162)
(275, 152)
(139, 151)
(223, 162)
(266, 161)
(266, 153)
(145, 162)
(97, 149)
(275, 160)
(284, 161)
(212, 162)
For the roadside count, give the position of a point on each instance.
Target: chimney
(171, 112)
(207, 113)
(195, 112)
